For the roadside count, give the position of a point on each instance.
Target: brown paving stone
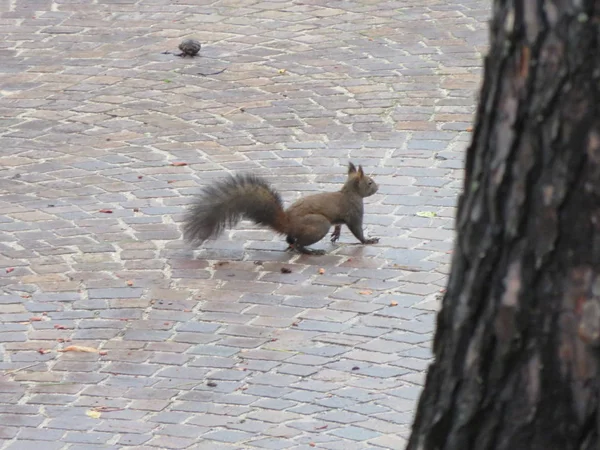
(94, 115)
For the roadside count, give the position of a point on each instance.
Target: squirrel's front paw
(335, 235)
(372, 241)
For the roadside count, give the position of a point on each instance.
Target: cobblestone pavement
(215, 348)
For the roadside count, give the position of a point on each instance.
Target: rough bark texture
(516, 347)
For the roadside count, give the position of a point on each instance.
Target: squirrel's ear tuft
(351, 169)
(360, 172)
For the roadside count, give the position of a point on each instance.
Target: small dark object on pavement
(189, 47)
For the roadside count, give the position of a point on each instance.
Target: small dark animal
(189, 47)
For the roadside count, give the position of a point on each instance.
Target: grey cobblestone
(216, 348)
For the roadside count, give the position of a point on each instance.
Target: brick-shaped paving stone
(107, 135)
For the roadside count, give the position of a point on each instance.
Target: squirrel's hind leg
(310, 251)
(293, 246)
(309, 230)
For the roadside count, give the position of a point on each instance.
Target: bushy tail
(226, 202)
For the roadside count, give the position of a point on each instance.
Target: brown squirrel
(305, 222)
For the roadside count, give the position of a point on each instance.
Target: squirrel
(305, 222)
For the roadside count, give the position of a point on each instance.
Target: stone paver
(104, 140)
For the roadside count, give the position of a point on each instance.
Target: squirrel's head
(362, 184)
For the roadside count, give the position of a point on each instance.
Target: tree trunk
(517, 343)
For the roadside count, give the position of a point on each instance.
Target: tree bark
(517, 345)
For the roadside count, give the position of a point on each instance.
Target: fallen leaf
(321, 427)
(136, 209)
(78, 348)
(43, 351)
(356, 368)
(60, 327)
(470, 129)
(106, 408)
(211, 384)
(321, 271)
(426, 214)
(285, 270)
(10, 269)
(365, 292)
(106, 211)
(393, 303)
(35, 319)
(312, 444)
(282, 71)
(407, 268)
(179, 164)
(93, 414)
(129, 283)
(140, 177)
(103, 353)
